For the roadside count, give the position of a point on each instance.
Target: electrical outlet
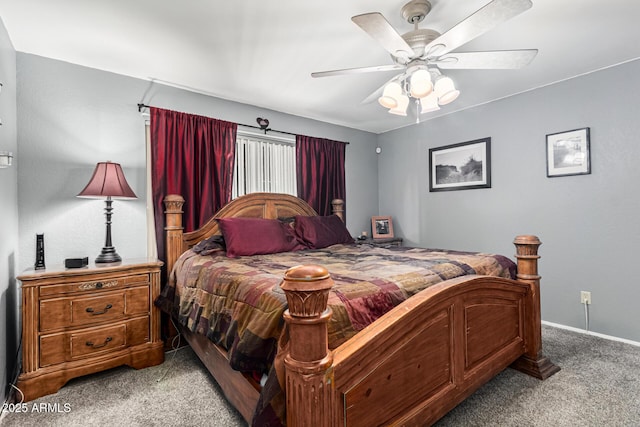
(585, 297)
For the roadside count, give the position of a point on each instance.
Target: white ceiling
(263, 52)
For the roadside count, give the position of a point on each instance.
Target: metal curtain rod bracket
(141, 106)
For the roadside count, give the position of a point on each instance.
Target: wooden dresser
(81, 321)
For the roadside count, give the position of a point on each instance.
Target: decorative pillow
(321, 231)
(256, 236)
(210, 245)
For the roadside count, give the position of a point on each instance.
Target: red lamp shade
(108, 181)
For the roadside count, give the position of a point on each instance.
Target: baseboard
(595, 334)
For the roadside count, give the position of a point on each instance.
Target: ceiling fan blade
(379, 28)
(498, 59)
(359, 70)
(378, 92)
(481, 21)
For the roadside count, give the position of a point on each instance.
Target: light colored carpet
(180, 392)
(599, 385)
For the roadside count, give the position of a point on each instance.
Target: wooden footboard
(419, 360)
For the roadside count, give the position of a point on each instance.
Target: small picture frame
(381, 227)
(568, 153)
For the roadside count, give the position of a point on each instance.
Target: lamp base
(107, 255)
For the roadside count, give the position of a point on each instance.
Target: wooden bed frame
(411, 366)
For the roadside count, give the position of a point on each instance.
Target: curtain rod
(141, 106)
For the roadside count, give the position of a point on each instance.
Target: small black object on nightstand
(76, 262)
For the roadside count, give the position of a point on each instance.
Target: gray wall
(9, 297)
(71, 117)
(588, 224)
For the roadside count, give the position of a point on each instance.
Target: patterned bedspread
(238, 303)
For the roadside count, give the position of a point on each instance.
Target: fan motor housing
(418, 39)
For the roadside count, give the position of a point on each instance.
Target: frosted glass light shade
(390, 95)
(421, 84)
(445, 90)
(401, 108)
(429, 103)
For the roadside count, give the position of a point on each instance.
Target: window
(264, 164)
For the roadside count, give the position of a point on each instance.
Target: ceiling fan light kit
(417, 85)
(422, 52)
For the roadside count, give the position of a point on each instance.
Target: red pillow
(255, 236)
(321, 231)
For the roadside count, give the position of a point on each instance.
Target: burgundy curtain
(192, 156)
(320, 172)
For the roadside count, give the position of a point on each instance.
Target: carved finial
(527, 257)
(307, 289)
(173, 203)
(338, 208)
(527, 245)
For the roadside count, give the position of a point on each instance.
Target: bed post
(337, 206)
(173, 227)
(308, 387)
(533, 362)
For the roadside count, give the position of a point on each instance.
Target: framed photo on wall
(381, 227)
(568, 153)
(460, 166)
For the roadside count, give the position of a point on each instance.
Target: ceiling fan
(422, 53)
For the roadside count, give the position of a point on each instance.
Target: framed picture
(381, 227)
(460, 166)
(568, 153)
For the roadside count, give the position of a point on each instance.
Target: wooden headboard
(255, 205)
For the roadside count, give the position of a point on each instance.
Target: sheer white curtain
(264, 164)
(152, 248)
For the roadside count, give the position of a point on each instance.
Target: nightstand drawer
(105, 283)
(82, 310)
(70, 346)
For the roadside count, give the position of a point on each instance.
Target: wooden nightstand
(382, 243)
(81, 321)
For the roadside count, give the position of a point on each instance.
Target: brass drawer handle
(106, 341)
(98, 285)
(96, 313)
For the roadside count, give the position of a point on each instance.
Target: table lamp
(108, 181)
